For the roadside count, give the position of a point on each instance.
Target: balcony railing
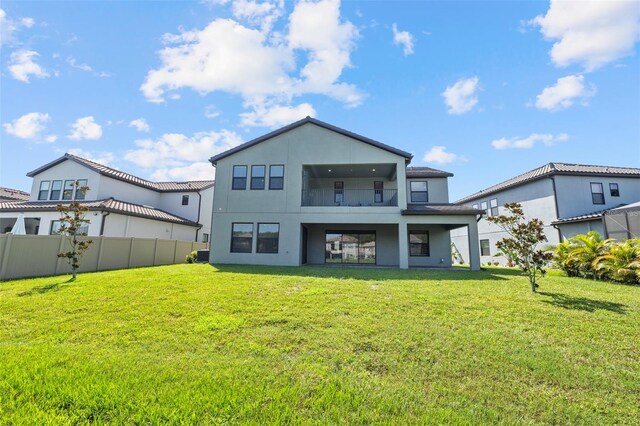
(350, 197)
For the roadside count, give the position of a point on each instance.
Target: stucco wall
(574, 194)
(438, 189)
(569, 230)
(68, 170)
(118, 225)
(127, 192)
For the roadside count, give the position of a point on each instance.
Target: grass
(194, 344)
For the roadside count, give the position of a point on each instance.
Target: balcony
(349, 197)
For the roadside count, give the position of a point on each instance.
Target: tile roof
(552, 169)
(581, 218)
(408, 156)
(187, 186)
(632, 206)
(436, 209)
(106, 205)
(13, 194)
(418, 172)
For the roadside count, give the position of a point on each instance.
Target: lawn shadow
(583, 304)
(44, 288)
(371, 273)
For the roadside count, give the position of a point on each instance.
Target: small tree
(71, 222)
(522, 243)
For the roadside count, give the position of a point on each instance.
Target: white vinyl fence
(25, 256)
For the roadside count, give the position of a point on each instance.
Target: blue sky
(486, 90)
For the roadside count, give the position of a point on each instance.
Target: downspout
(104, 219)
(198, 219)
(555, 203)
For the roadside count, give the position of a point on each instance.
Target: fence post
(59, 259)
(155, 252)
(130, 251)
(99, 253)
(175, 251)
(5, 256)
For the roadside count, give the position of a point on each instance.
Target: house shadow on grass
(44, 288)
(583, 304)
(370, 272)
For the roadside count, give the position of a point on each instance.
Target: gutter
(198, 219)
(104, 219)
(555, 203)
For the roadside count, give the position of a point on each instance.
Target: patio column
(403, 245)
(474, 246)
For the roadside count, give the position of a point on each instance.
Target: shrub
(191, 257)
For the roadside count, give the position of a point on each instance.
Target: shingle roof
(319, 123)
(187, 186)
(552, 169)
(419, 172)
(13, 194)
(106, 205)
(436, 209)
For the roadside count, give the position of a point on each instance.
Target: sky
(485, 89)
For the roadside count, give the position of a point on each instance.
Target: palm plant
(621, 263)
(587, 249)
(563, 259)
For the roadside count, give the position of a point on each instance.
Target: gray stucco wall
(574, 194)
(569, 230)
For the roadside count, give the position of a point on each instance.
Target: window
(67, 194)
(185, 200)
(43, 194)
(56, 189)
(268, 236)
(483, 207)
(475, 206)
(276, 177)
(419, 243)
(494, 206)
(597, 193)
(613, 189)
(205, 238)
(81, 193)
(484, 248)
(419, 193)
(241, 237)
(338, 192)
(257, 177)
(350, 247)
(55, 228)
(378, 191)
(239, 177)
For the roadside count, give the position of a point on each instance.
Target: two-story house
(312, 193)
(570, 199)
(120, 204)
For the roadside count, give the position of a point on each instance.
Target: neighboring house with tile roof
(570, 199)
(312, 193)
(120, 204)
(8, 194)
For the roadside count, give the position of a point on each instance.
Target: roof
(632, 206)
(106, 205)
(187, 186)
(319, 123)
(581, 218)
(13, 194)
(436, 209)
(426, 172)
(552, 169)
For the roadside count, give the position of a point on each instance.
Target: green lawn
(192, 344)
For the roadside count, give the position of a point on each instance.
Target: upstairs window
(257, 177)
(56, 190)
(276, 177)
(483, 207)
(81, 193)
(268, 237)
(494, 206)
(185, 200)
(475, 206)
(613, 189)
(419, 192)
(378, 191)
(67, 194)
(239, 177)
(597, 193)
(241, 237)
(43, 194)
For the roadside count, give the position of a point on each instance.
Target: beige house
(312, 193)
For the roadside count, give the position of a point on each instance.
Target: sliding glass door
(350, 247)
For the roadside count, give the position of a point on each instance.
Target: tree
(72, 221)
(522, 242)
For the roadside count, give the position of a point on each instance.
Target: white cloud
(439, 154)
(461, 97)
(224, 55)
(140, 124)
(404, 39)
(528, 142)
(82, 67)
(85, 128)
(210, 111)
(176, 156)
(29, 126)
(8, 27)
(590, 33)
(276, 116)
(51, 138)
(22, 65)
(564, 93)
(103, 157)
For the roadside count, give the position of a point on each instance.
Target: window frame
(235, 187)
(205, 237)
(484, 206)
(593, 194)
(614, 192)
(263, 177)
(84, 229)
(421, 244)
(426, 191)
(277, 245)
(52, 191)
(69, 191)
(40, 190)
(79, 191)
(185, 199)
(231, 250)
(488, 248)
(492, 207)
(272, 177)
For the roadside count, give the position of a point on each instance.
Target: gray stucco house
(312, 193)
(570, 199)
